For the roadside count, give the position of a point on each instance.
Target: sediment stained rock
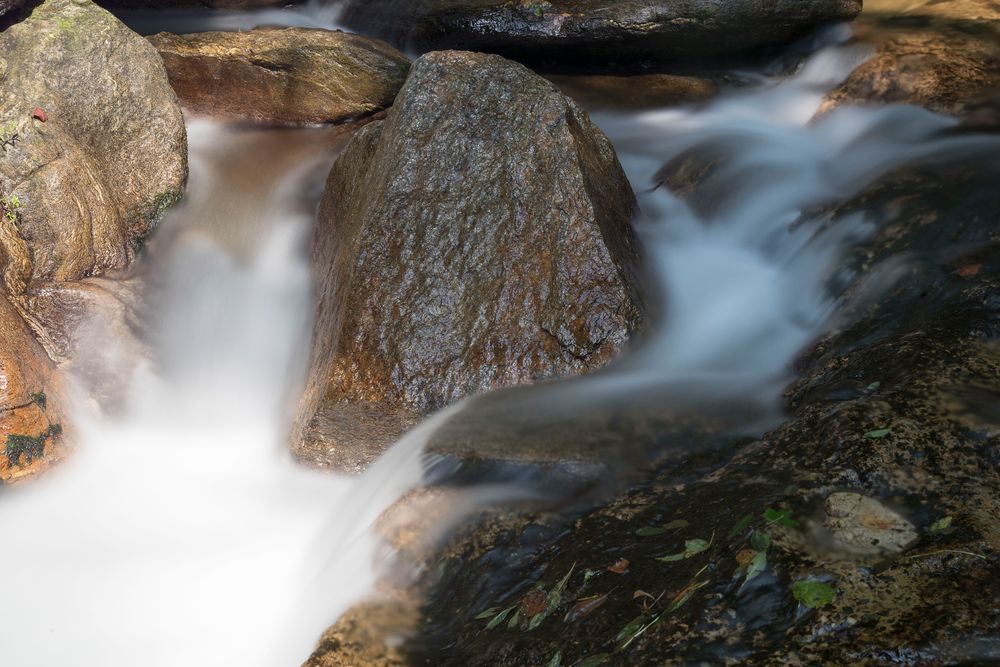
(287, 76)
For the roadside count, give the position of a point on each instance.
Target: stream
(183, 533)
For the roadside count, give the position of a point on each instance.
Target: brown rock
(639, 91)
(282, 76)
(91, 181)
(30, 416)
(944, 57)
(477, 238)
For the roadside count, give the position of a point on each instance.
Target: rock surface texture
(574, 31)
(94, 144)
(283, 76)
(30, 418)
(476, 238)
(944, 56)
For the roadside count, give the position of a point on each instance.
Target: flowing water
(181, 533)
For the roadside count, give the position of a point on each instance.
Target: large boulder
(94, 145)
(282, 76)
(578, 31)
(476, 238)
(30, 417)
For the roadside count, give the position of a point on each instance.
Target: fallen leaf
(941, 525)
(534, 603)
(780, 517)
(740, 526)
(620, 566)
(649, 531)
(760, 540)
(39, 114)
(744, 556)
(813, 594)
(585, 606)
(757, 565)
(878, 433)
(969, 270)
(691, 548)
(499, 618)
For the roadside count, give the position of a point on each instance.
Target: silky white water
(180, 534)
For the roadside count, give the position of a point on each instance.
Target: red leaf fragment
(39, 114)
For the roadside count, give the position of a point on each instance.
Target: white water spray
(178, 535)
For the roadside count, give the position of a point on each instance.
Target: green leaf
(554, 597)
(499, 618)
(878, 434)
(780, 517)
(760, 540)
(561, 586)
(512, 623)
(556, 660)
(675, 524)
(628, 632)
(874, 386)
(691, 548)
(594, 660)
(649, 531)
(489, 613)
(740, 526)
(757, 565)
(813, 594)
(941, 525)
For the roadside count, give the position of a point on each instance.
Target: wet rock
(575, 32)
(639, 91)
(899, 407)
(30, 413)
(84, 187)
(477, 238)
(195, 4)
(283, 76)
(864, 525)
(12, 8)
(942, 56)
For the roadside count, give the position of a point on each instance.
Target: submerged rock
(595, 31)
(476, 238)
(30, 414)
(94, 145)
(866, 526)
(282, 76)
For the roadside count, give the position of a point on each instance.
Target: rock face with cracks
(476, 238)
(284, 76)
(94, 144)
